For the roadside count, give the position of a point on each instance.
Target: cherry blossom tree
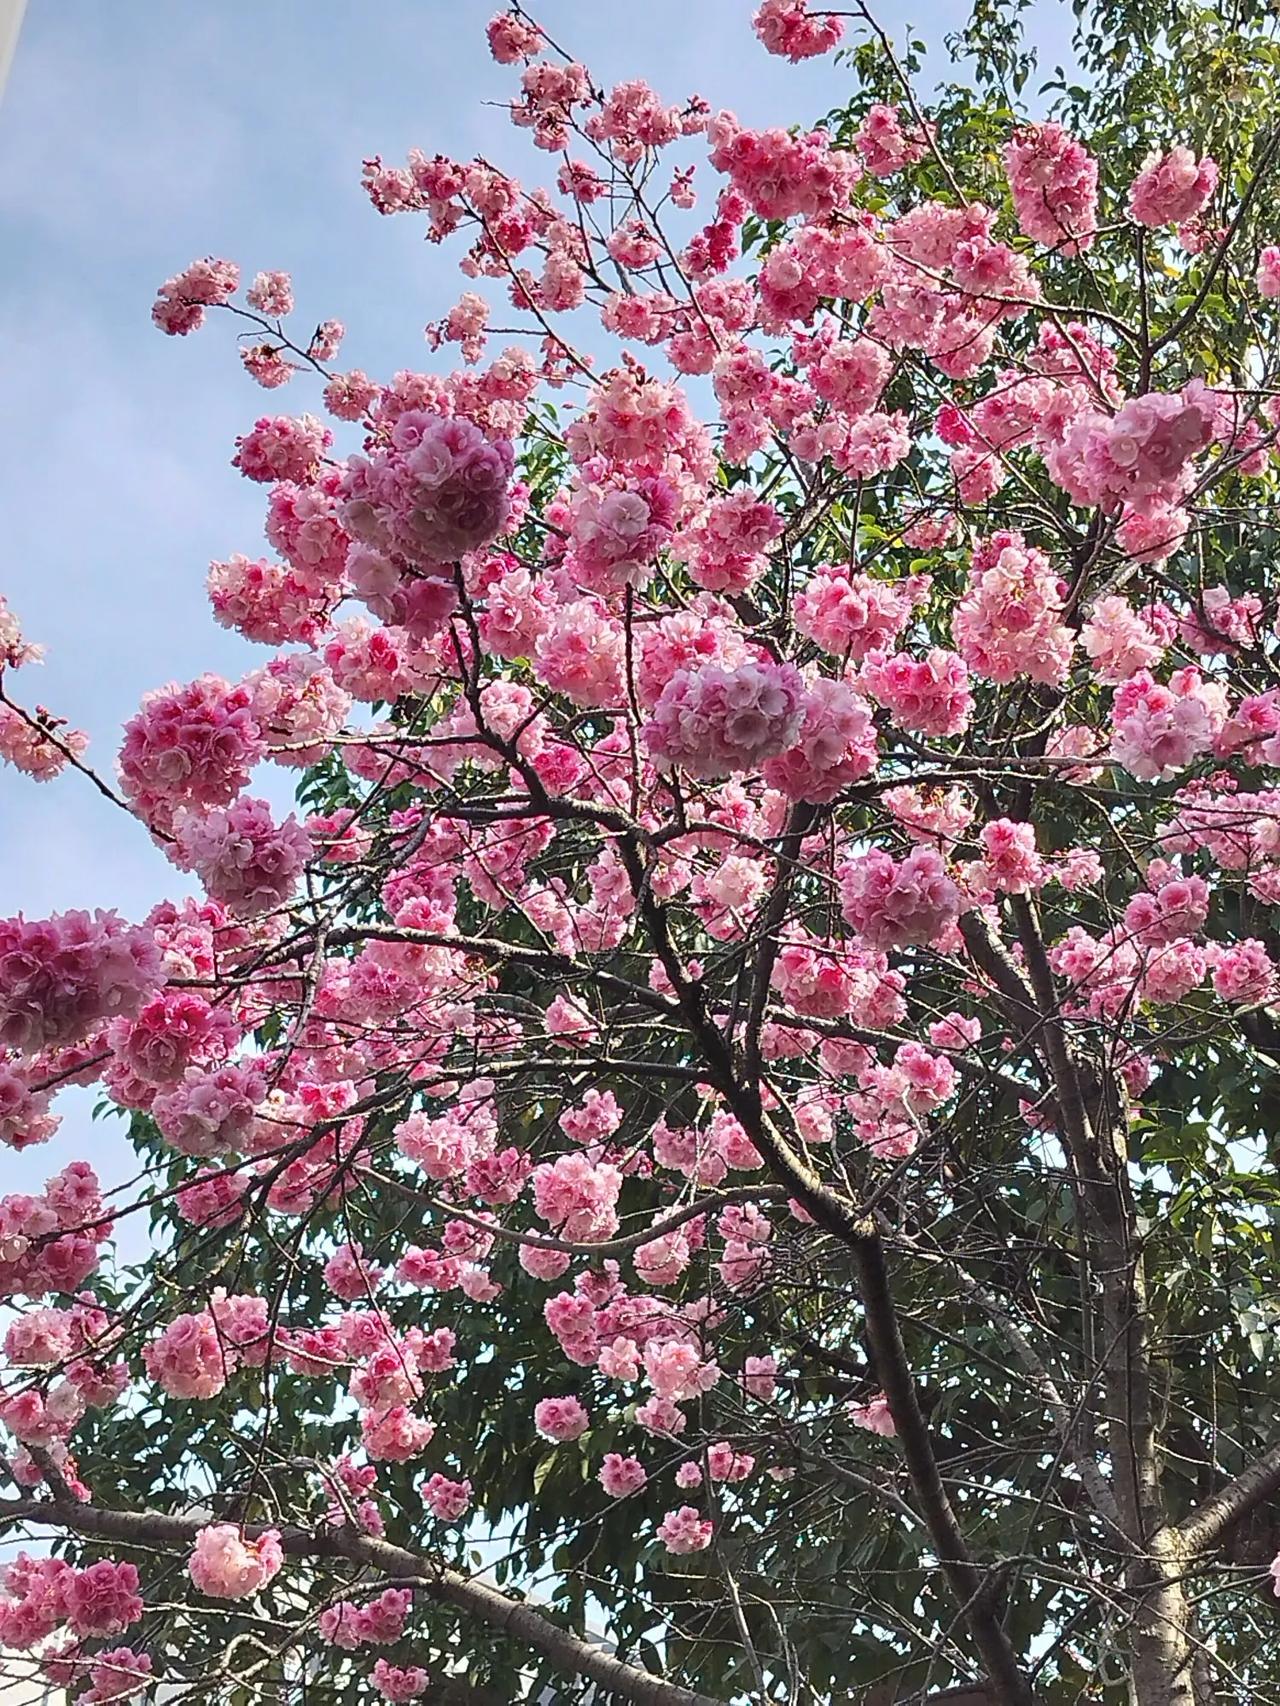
(724, 1151)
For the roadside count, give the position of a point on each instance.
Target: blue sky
(136, 137)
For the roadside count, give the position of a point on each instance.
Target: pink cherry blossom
(621, 1476)
(189, 746)
(246, 861)
(103, 1599)
(928, 695)
(1009, 622)
(850, 614)
(1118, 641)
(712, 721)
(835, 746)
(683, 1530)
(399, 1682)
(447, 1500)
(264, 601)
(1172, 187)
(438, 489)
(226, 1565)
(1054, 183)
(181, 301)
(394, 1433)
(117, 1673)
(271, 293)
(560, 1419)
(212, 1111)
(874, 1416)
(280, 447)
(791, 29)
(1157, 731)
(885, 144)
(62, 975)
(577, 1197)
(894, 905)
(781, 174)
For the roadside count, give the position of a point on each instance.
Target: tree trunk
(1164, 1651)
(1162, 1647)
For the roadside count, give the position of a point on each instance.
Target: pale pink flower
(447, 1500)
(894, 905)
(244, 858)
(875, 1416)
(711, 721)
(621, 1476)
(683, 1530)
(1172, 188)
(560, 1419)
(789, 28)
(1054, 183)
(226, 1565)
(400, 1682)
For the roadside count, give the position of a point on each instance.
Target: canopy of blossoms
(730, 772)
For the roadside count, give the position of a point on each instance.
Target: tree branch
(488, 949)
(1222, 1510)
(1064, 1420)
(971, 1585)
(569, 1653)
(602, 1247)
